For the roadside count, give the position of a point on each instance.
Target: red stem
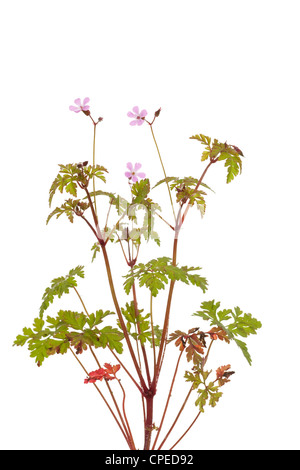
(168, 400)
(176, 419)
(186, 431)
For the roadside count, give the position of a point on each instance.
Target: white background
(229, 70)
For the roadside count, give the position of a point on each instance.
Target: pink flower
(80, 107)
(137, 115)
(132, 174)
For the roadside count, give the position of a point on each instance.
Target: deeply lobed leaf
(240, 324)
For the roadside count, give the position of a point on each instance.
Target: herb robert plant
(136, 326)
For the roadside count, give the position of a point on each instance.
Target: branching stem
(176, 419)
(104, 399)
(168, 400)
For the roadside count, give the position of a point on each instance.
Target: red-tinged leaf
(223, 374)
(98, 374)
(220, 371)
(237, 150)
(218, 333)
(112, 369)
(196, 343)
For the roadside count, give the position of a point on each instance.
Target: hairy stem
(152, 329)
(113, 293)
(126, 370)
(104, 399)
(129, 436)
(187, 430)
(168, 400)
(120, 317)
(196, 187)
(82, 303)
(176, 419)
(124, 413)
(139, 332)
(178, 225)
(168, 308)
(149, 422)
(164, 171)
(94, 164)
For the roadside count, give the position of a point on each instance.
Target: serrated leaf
(95, 319)
(156, 274)
(38, 324)
(112, 337)
(60, 286)
(241, 324)
(140, 191)
(73, 319)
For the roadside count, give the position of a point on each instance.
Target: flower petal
(74, 108)
(85, 108)
(141, 175)
(134, 179)
(77, 101)
(85, 101)
(136, 109)
(130, 114)
(137, 166)
(143, 113)
(133, 123)
(129, 166)
(140, 122)
(128, 174)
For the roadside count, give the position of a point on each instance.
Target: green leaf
(38, 324)
(140, 322)
(168, 179)
(69, 208)
(67, 329)
(140, 191)
(202, 399)
(157, 335)
(222, 151)
(204, 139)
(241, 324)
(71, 175)
(214, 394)
(96, 249)
(95, 319)
(111, 337)
(115, 200)
(156, 274)
(73, 319)
(60, 286)
(234, 167)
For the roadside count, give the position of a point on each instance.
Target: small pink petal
(133, 123)
(141, 175)
(85, 101)
(129, 166)
(143, 113)
(137, 166)
(136, 110)
(77, 101)
(85, 108)
(134, 179)
(128, 174)
(130, 114)
(73, 108)
(140, 122)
